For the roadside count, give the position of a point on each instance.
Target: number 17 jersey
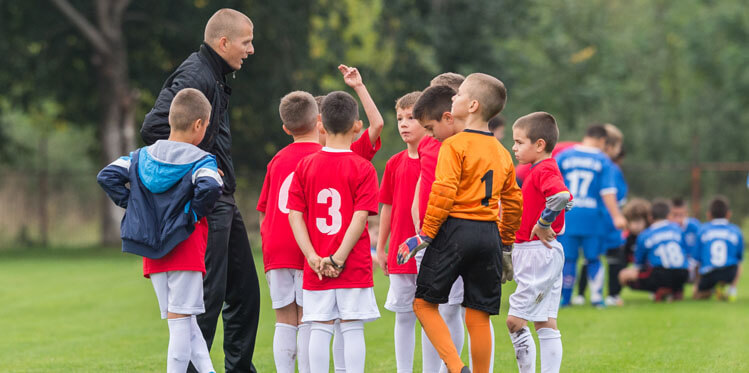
(328, 187)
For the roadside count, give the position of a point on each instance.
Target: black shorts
(724, 274)
(465, 248)
(653, 278)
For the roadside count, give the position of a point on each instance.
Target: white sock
(453, 316)
(355, 350)
(430, 358)
(525, 350)
(178, 354)
(199, 355)
(319, 347)
(339, 361)
(284, 347)
(550, 344)
(302, 347)
(405, 341)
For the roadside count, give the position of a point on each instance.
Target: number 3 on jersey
(334, 211)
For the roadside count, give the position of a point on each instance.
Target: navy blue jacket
(172, 185)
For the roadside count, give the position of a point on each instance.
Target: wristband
(335, 265)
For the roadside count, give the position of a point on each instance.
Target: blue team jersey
(588, 174)
(661, 245)
(614, 237)
(691, 229)
(720, 244)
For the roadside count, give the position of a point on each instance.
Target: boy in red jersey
(462, 225)
(282, 259)
(332, 194)
(538, 258)
(168, 188)
(396, 195)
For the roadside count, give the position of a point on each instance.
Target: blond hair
(452, 80)
(188, 106)
(613, 135)
(298, 112)
(225, 22)
(408, 100)
(489, 91)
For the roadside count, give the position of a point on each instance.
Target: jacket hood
(165, 163)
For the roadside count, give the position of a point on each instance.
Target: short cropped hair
(719, 207)
(636, 209)
(452, 80)
(298, 112)
(433, 102)
(678, 202)
(408, 100)
(188, 106)
(225, 22)
(614, 136)
(596, 131)
(489, 91)
(539, 125)
(339, 112)
(496, 122)
(660, 209)
(319, 99)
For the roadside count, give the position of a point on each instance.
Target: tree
(117, 99)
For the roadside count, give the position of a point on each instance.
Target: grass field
(83, 310)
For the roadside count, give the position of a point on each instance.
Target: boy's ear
(197, 124)
(285, 129)
(540, 145)
(319, 118)
(448, 117)
(473, 107)
(358, 125)
(321, 128)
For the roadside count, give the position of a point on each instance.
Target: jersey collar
(720, 221)
(332, 150)
(479, 132)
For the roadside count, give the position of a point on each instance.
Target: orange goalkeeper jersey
(474, 173)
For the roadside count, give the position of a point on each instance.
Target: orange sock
(479, 330)
(438, 333)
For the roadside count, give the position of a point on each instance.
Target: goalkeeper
(474, 172)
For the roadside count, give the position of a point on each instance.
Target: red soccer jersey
(429, 149)
(543, 180)
(397, 190)
(328, 187)
(522, 170)
(280, 250)
(363, 146)
(188, 255)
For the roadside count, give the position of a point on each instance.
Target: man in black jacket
(230, 270)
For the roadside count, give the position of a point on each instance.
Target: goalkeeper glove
(411, 246)
(507, 271)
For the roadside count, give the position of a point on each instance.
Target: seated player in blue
(587, 171)
(721, 250)
(660, 258)
(690, 226)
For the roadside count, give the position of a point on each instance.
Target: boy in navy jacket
(173, 185)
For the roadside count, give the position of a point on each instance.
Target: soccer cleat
(578, 300)
(600, 305)
(465, 370)
(613, 301)
(720, 291)
(411, 246)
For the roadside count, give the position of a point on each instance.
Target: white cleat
(578, 300)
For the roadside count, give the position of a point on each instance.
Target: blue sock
(568, 280)
(595, 280)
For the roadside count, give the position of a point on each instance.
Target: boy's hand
(382, 260)
(351, 76)
(328, 269)
(544, 234)
(411, 246)
(314, 262)
(507, 271)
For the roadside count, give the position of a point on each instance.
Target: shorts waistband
(537, 244)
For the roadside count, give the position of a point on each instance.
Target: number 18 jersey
(721, 244)
(588, 174)
(661, 245)
(328, 187)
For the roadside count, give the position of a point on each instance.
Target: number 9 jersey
(721, 244)
(474, 172)
(328, 187)
(588, 173)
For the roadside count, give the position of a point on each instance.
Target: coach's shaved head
(225, 22)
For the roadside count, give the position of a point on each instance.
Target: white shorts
(401, 292)
(343, 304)
(179, 292)
(285, 286)
(456, 292)
(538, 274)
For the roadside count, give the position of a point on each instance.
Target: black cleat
(465, 370)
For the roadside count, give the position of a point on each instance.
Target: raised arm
(354, 80)
(113, 180)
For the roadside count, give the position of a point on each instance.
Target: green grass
(93, 311)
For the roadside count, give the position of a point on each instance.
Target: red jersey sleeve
(262, 202)
(386, 188)
(364, 147)
(366, 192)
(297, 199)
(551, 182)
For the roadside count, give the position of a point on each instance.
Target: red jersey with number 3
(543, 180)
(280, 250)
(328, 187)
(397, 190)
(429, 150)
